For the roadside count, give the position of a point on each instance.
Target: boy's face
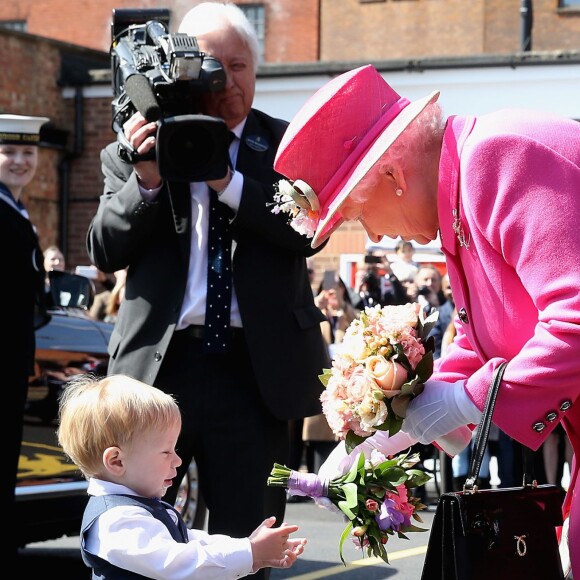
(150, 462)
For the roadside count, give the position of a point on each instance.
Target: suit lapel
(254, 146)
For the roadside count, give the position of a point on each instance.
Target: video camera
(163, 76)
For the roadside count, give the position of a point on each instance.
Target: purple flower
(390, 517)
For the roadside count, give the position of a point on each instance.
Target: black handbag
(496, 534)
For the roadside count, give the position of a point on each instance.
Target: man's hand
(142, 136)
(218, 185)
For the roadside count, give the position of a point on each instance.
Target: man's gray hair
(209, 16)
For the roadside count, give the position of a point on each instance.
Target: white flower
(300, 203)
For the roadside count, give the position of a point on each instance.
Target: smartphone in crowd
(87, 271)
(330, 280)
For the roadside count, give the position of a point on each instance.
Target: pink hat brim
(330, 219)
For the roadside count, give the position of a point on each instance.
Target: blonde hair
(97, 413)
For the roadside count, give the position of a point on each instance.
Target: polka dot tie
(219, 277)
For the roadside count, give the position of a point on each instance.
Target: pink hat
(337, 136)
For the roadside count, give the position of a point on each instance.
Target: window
(255, 14)
(19, 25)
(569, 3)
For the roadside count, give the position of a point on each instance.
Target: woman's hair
(419, 137)
(209, 16)
(416, 141)
(97, 413)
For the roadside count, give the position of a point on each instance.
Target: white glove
(339, 461)
(441, 408)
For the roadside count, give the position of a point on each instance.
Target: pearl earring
(399, 192)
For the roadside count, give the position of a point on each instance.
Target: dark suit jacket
(280, 319)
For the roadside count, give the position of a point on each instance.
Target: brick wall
(393, 29)
(86, 180)
(292, 26)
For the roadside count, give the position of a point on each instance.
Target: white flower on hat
(299, 201)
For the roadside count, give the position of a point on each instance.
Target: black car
(51, 492)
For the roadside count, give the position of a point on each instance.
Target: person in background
(427, 287)
(106, 303)
(335, 303)
(403, 265)
(393, 291)
(121, 433)
(501, 191)
(54, 259)
(116, 297)
(24, 298)
(367, 288)
(267, 372)
(429, 291)
(446, 287)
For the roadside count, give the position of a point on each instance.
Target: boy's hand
(272, 547)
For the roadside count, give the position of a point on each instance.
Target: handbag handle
(482, 436)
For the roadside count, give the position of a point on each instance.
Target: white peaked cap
(20, 129)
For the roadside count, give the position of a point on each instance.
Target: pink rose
(359, 384)
(389, 375)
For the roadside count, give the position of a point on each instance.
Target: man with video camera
(236, 403)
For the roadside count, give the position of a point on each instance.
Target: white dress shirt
(131, 538)
(193, 306)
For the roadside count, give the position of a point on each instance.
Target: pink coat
(514, 179)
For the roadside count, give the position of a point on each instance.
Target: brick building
(58, 64)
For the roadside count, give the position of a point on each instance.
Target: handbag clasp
(521, 546)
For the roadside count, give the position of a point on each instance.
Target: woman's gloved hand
(339, 461)
(441, 408)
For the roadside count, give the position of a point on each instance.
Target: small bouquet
(374, 496)
(300, 203)
(383, 361)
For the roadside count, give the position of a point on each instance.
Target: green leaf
(412, 528)
(345, 534)
(426, 324)
(401, 357)
(349, 506)
(325, 376)
(425, 367)
(352, 440)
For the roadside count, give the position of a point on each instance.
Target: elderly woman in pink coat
(503, 192)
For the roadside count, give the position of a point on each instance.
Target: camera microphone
(139, 90)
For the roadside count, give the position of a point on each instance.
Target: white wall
(554, 88)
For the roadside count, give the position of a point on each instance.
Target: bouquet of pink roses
(383, 361)
(374, 496)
